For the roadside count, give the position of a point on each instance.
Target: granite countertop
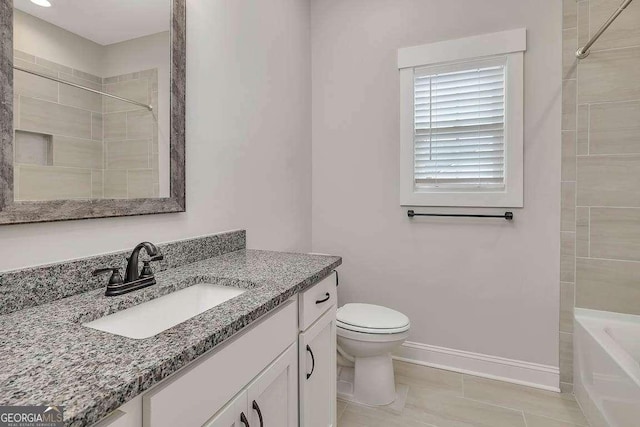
(48, 357)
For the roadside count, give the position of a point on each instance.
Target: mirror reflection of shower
(91, 99)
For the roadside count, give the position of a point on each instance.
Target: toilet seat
(371, 319)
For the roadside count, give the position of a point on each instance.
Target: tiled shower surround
(75, 144)
(600, 229)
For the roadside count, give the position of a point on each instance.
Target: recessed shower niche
(32, 148)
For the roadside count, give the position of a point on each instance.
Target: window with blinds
(459, 126)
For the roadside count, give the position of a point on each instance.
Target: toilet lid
(371, 319)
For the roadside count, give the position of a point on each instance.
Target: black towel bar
(507, 215)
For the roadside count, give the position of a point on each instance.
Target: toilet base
(374, 380)
(345, 391)
(370, 382)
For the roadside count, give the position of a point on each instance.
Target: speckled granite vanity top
(48, 357)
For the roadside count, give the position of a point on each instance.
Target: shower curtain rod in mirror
(55, 79)
(583, 52)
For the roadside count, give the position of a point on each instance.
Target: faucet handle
(158, 257)
(115, 279)
(146, 270)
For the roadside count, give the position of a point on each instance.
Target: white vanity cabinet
(232, 415)
(273, 396)
(196, 393)
(270, 399)
(280, 372)
(317, 354)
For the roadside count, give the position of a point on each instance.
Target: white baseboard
(498, 368)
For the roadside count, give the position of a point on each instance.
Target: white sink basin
(158, 315)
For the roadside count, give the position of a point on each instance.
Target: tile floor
(440, 398)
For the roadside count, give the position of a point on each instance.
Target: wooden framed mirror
(92, 119)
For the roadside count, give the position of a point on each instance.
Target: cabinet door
(273, 396)
(234, 414)
(317, 352)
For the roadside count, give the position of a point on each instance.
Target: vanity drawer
(195, 393)
(316, 300)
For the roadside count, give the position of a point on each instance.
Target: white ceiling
(104, 21)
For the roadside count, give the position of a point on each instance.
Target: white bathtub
(607, 367)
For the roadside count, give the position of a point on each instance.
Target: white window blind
(459, 126)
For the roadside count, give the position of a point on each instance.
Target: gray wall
(600, 262)
(483, 286)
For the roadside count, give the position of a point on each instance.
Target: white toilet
(367, 334)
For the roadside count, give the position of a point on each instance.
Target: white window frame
(508, 44)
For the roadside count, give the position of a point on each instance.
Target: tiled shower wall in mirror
(600, 229)
(131, 137)
(74, 144)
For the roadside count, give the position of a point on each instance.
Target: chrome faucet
(134, 279)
